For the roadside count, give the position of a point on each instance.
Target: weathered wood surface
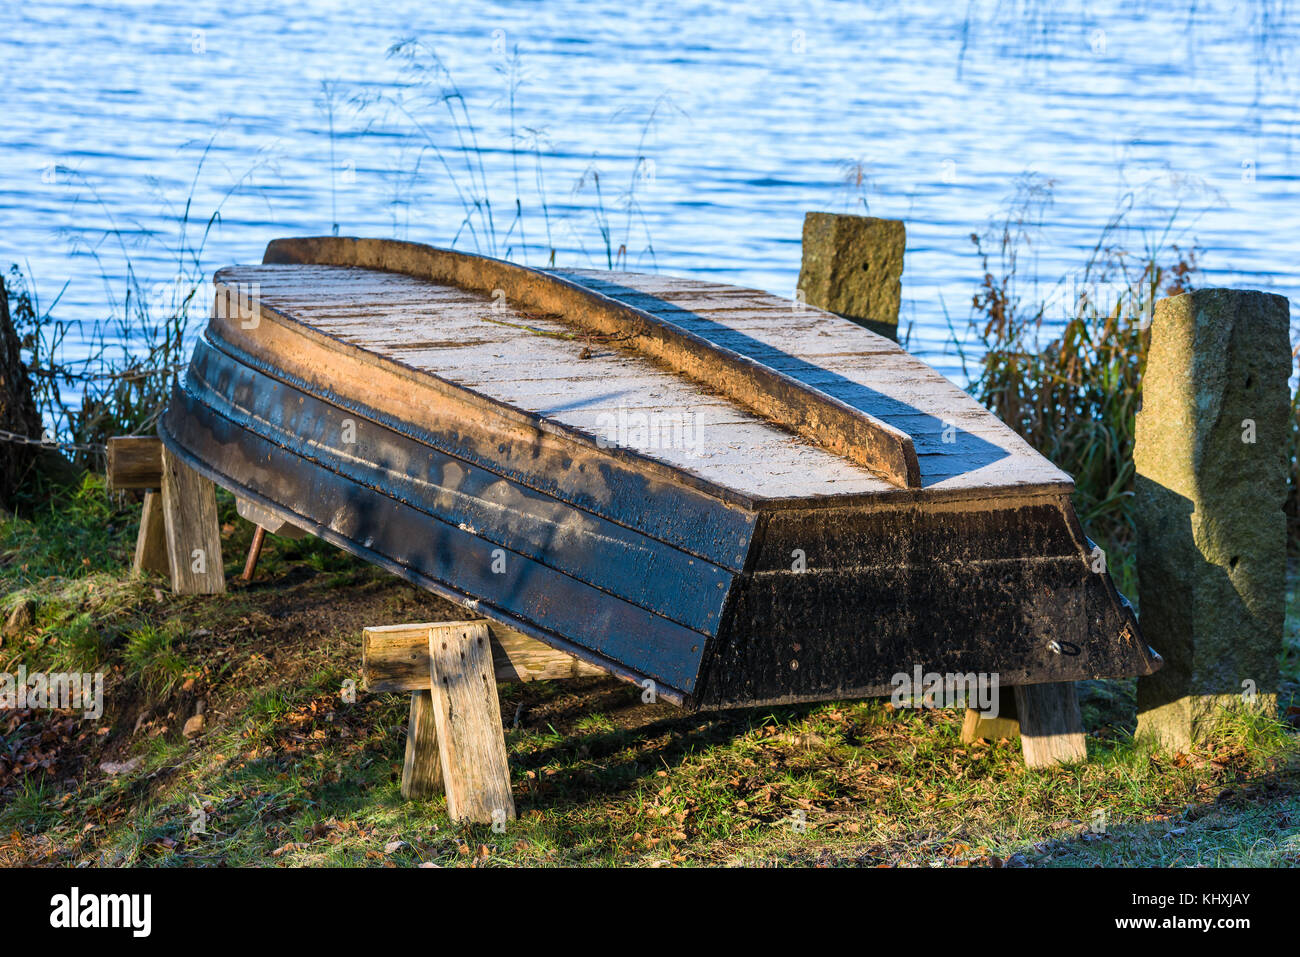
(151, 543)
(966, 588)
(265, 518)
(422, 769)
(563, 507)
(960, 446)
(953, 587)
(420, 536)
(759, 387)
(396, 657)
(1051, 725)
(548, 389)
(193, 532)
(1045, 718)
(459, 440)
(134, 462)
(471, 744)
(475, 341)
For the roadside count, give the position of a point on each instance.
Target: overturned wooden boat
(739, 498)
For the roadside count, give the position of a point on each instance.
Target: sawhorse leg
(179, 533)
(1045, 717)
(422, 770)
(189, 506)
(455, 742)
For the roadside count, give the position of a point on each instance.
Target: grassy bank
(282, 771)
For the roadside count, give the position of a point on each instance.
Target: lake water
(761, 113)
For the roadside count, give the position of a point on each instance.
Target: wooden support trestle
(454, 740)
(1045, 717)
(179, 532)
(467, 718)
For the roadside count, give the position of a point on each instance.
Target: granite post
(1211, 456)
(853, 266)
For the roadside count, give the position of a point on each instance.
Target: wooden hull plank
(880, 379)
(622, 489)
(841, 429)
(669, 582)
(371, 523)
(603, 378)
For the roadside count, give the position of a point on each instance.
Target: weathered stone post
(853, 266)
(1211, 458)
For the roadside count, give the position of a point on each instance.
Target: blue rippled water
(762, 111)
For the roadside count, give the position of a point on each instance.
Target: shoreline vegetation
(225, 739)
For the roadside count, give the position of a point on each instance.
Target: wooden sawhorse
(454, 739)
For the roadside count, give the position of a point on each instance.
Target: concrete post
(1211, 458)
(853, 266)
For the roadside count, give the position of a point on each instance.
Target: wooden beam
(134, 462)
(151, 543)
(470, 742)
(265, 518)
(396, 657)
(1005, 725)
(422, 770)
(1051, 725)
(192, 531)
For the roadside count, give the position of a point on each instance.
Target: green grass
(285, 772)
(150, 656)
(80, 645)
(72, 535)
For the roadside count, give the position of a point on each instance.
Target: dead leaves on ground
(40, 743)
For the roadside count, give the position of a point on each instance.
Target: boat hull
(717, 599)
